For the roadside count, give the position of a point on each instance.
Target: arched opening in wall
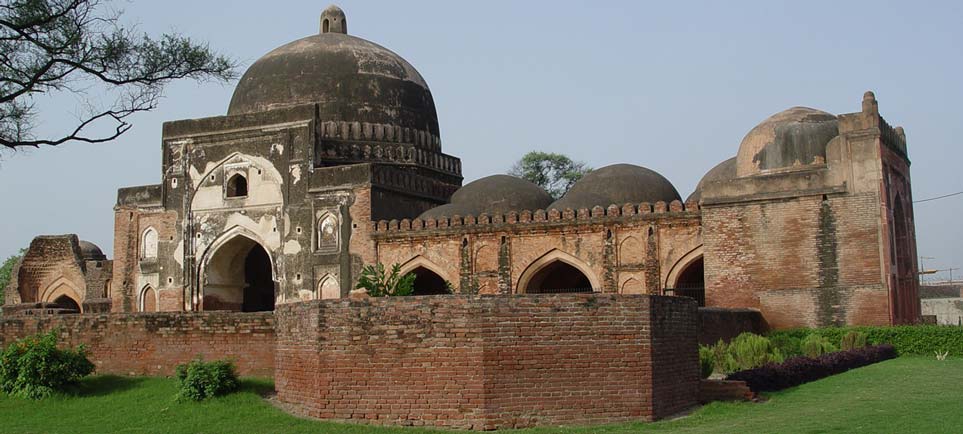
(324, 26)
(148, 300)
(237, 186)
(428, 282)
(67, 303)
(691, 281)
(238, 276)
(558, 277)
(149, 244)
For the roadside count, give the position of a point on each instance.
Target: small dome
(349, 78)
(496, 194)
(617, 184)
(723, 171)
(91, 252)
(793, 138)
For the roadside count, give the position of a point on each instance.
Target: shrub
(200, 380)
(707, 362)
(752, 351)
(815, 345)
(34, 368)
(921, 340)
(852, 340)
(722, 361)
(379, 283)
(799, 370)
(788, 345)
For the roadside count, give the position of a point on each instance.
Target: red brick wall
(717, 323)
(153, 344)
(489, 362)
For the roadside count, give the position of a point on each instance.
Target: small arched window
(148, 299)
(328, 233)
(149, 246)
(237, 186)
(324, 26)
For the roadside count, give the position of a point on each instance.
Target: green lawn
(902, 395)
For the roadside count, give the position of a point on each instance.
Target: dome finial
(334, 21)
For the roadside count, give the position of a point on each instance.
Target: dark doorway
(259, 284)
(691, 282)
(67, 303)
(558, 277)
(428, 282)
(237, 186)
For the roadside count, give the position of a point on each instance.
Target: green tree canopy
(556, 173)
(5, 272)
(80, 47)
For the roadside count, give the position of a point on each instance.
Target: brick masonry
(154, 344)
(481, 362)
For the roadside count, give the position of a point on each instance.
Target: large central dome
(349, 78)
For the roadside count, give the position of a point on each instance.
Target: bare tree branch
(76, 46)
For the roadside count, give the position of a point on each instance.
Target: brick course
(489, 362)
(153, 344)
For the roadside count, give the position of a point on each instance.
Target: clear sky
(673, 86)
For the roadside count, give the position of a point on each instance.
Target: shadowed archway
(558, 277)
(65, 302)
(691, 281)
(428, 282)
(238, 276)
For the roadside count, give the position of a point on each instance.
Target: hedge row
(799, 370)
(922, 340)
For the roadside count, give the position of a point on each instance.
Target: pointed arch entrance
(237, 274)
(687, 277)
(557, 272)
(429, 279)
(68, 303)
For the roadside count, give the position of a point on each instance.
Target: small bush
(707, 362)
(380, 283)
(788, 345)
(722, 361)
(34, 368)
(752, 351)
(815, 345)
(853, 340)
(200, 380)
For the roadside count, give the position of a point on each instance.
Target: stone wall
(489, 362)
(153, 344)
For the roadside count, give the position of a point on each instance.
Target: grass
(903, 395)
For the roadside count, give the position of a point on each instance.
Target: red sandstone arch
(60, 289)
(546, 260)
(147, 301)
(672, 278)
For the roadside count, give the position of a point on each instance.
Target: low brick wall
(489, 362)
(717, 323)
(723, 390)
(153, 344)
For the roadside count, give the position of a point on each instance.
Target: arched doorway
(691, 281)
(428, 282)
(67, 303)
(238, 276)
(558, 277)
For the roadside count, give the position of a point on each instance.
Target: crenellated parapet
(364, 131)
(405, 153)
(553, 217)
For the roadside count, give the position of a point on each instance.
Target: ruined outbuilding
(330, 157)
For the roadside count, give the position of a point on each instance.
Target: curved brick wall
(489, 362)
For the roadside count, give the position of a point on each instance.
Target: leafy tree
(380, 283)
(555, 173)
(80, 47)
(35, 368)
(5, 272)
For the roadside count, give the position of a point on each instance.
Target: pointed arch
(61, 289)
(550, 258)
(632, 286)
(328, 235)
(236, 272)
(236, 185)
(148, 246)
(147, 299)
(692, 256)
(423, 262)
(328, 288)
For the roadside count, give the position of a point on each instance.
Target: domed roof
(792, 138)
(617, 184)
(90, 251)
(351, 80)
(496, 194)
(723, 171)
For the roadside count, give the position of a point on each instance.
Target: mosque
(330, 158)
